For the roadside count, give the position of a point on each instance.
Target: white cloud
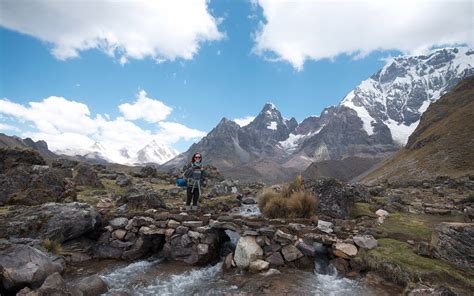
(162, 30)
(7, 127)
(145, 108)
(244, 121)
(66, 124)
(296, 31)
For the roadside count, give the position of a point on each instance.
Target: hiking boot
(187, 208)
(194, 208)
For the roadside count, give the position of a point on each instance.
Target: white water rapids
(147, 278)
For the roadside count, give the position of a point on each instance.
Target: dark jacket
(195, 175)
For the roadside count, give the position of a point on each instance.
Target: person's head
(197, 157)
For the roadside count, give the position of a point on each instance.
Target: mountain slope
(40, 146)
(442, 144)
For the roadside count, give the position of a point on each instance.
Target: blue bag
(181, 182)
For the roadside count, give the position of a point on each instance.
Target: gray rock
(283, 237)
(247, 250)
(325, 226)
(55, 285)
(306, 249)
(85, 175)
(259, 265)
(454, 242)
(123, 180)
(291, 253)
(91, 286)
(365, 241)
(275, 259)
(193, 224)
(26, 266)
(120, 222)
(53, 220)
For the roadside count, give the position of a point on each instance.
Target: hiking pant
(192, 194)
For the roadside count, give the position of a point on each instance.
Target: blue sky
(232, 75)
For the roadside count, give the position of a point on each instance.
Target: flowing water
(159, 277)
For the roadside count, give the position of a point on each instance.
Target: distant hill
(442, 144)
(40, 146)
(344, 170)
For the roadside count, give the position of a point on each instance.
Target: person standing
(195, 174)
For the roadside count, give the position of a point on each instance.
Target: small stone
(305, 248)
(250, 232)
(193, 224)
(170, 231)
(344, 250)
(272, 271)
(291, 253)
(109, 228)
(275, 259)
(228, 261)
(173, 224)
(194, 234)
(202, 249)
(365, 241)
(382, 215)
(259, 265)
(117, 223)
(182, 229)
(283, 237)
(325, 226)
(119, 234)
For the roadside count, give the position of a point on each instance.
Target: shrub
(52, 246)
(302, 204)
(266, 196)
(299, 204)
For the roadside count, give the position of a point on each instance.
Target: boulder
(283, 237)
(306, 249)
(365, 241)
(119, 222)
(23, 265)
(259, 265)
(123, 180)
(291, 253)
(382, 215)
(91, 286)
(55, 285)
(144, 198)
(26, 180)
(53, 220)
(454, 242)
(344, 250)
(247, 250)
(336, 200)
(84, 175)
(148, 172)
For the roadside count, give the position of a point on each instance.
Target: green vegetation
(397, 262)
(470, 197)
(406, 226)
(292, 202)
(53, 246)
(362, 209)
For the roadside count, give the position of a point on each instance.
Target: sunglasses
(197, 157)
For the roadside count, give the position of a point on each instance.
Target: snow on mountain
(151, 153)
(403, 89)
(155, 153)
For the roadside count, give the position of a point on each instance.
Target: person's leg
(195, 198)
(189, 197)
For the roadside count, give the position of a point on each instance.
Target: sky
(130, 72)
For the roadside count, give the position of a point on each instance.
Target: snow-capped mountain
(373, 120)
(155, 153)
(151, 153)
(403, 89)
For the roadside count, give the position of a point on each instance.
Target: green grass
(362, 209)
(53, 246)
(405, 226)
(398, 262)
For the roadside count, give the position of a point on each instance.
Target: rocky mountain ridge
(372, 121)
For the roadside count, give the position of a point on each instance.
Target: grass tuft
(53, 246)
(299, 204)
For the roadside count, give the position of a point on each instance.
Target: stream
(161, 277)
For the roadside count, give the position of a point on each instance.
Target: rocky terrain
(372, 122)
(74, 215)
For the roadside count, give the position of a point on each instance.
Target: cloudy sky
(128, 72)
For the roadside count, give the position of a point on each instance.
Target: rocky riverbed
(76, 229)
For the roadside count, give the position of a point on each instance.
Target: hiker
(195, 175)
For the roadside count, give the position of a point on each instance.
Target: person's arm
(187, 170)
